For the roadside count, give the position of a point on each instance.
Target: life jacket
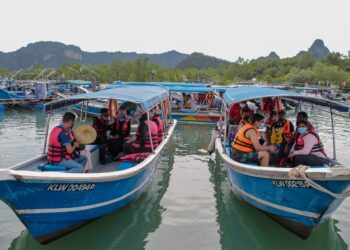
(123, 131)
(241, 142)
(154, 135)
(318, 147)
(209, 98)
(101, 126)
(56, 150)
(286, 131)
(137, 157)
(159, 123)
(276, 136)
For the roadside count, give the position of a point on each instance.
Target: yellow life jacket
(276, 136)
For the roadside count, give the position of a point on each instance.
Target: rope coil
(300, 171)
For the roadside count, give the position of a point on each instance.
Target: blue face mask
(302, 130)
(262, 126)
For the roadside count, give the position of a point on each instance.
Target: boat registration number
(70, 187)
(290, 183)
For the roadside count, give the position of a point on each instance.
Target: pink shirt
(309, 141)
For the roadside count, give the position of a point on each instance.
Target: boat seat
(126, 165)
(50, 167)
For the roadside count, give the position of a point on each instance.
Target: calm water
(188, 204)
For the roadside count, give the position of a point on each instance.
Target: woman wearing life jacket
(62, 146)
(246, 147)
(143, 142)
(158, 120)
(120, 132)
(101, 125)
(308, 148)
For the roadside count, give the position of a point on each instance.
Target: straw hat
(85, 134)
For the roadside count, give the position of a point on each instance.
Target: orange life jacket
(241, 142)
(286, 131)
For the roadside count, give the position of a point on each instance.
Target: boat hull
(293, 203)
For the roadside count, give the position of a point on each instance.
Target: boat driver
(246, 147)
(63, 148)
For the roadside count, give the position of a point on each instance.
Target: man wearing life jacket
(246, 147)
(62, 146)
(102, 124)
(120, 132)
(158, 120)
(142, 142)
(308, 148)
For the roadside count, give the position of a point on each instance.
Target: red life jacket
(299, 144)
(159, 123)
(57, 151)
(154, 135)
(123, 132)
(101, 128)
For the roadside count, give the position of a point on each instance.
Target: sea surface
(188, 204)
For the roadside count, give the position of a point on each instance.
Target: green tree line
(335, 68)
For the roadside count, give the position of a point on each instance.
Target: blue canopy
(145, 96)
(177, 87)
(236, 95)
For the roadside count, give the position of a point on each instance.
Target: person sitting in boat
(308, 148)
(235, 113)
(142, 143)
(287, 134)
(63, 148)
(190, 103)
(246, 147)
(102, 124)
(120, 132)
(158, 120)
(268, 124)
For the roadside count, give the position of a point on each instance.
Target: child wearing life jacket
(268, 124)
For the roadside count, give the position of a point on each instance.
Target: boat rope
(300, 171)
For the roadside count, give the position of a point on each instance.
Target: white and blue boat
(299, 198)
(52, 203)
(207, 112)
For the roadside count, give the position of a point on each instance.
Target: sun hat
(85, 134)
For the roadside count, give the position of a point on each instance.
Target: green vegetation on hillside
(334, 68)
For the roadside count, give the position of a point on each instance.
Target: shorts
(243, 157)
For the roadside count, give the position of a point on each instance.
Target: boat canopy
(178, 87)
(145, 96)
(241, 94)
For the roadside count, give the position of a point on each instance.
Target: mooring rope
(300, 171)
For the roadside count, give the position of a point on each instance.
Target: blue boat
(299, 198)
(206, 112)
(52, 204)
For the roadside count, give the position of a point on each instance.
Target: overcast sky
(222, 28)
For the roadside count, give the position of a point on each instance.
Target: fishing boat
(52, 204)
(299, 198)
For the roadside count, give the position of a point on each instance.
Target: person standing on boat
(120, 132)
(246, 147)
(308, 148)
(63, 147)
(102, 125)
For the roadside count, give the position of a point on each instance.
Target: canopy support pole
(150, 131)
(333, 135)
(47, 131)
(163, 118)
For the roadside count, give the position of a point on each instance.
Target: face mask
(302, 130)
(242, 105)
(262, 126)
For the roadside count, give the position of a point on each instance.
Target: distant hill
(54, 54)
(200, 61)
(272, 55)
(317, 49)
